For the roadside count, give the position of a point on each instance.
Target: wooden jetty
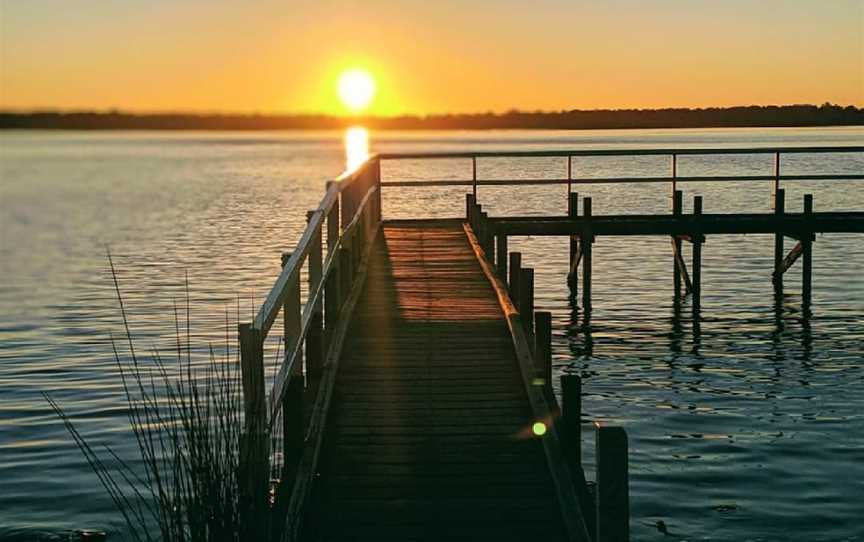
(415, 397)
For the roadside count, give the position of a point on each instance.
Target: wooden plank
(428, 383)
(571, 508)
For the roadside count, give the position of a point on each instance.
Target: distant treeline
(712, 117)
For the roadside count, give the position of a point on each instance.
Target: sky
(426, 56)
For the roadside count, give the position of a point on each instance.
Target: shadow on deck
(429, 435)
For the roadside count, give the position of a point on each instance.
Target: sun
(356, 89)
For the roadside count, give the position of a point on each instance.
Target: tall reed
(187, 421)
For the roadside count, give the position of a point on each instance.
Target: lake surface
(746, 425)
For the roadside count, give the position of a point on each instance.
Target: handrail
(621, 180)
(313, 301)
(618, 152)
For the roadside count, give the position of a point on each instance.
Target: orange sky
(429, 57)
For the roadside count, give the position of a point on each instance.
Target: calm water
(748, 425)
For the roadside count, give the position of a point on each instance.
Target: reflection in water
(356, 147)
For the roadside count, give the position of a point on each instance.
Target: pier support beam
(543, 351)
(779, 210)
(677, 206)
(526, 301)
(807, 253)
(501, 255)
(697, 241)
(613, 492)
(575, 254)
(586, 241)
(515, 274)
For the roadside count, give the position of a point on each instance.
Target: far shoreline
(787, 116)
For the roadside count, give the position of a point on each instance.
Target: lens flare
(539, 428)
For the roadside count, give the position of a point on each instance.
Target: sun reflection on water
(356, 147)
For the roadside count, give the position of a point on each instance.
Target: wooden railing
(284, 421)
(350, 214)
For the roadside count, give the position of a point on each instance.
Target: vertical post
(698, 239)
(613, 492)
(292, 429)
(291, 319)
(571, 416)
(345, 273)
(332, 299)
(807, 253)
(486, 236)
(515, 274)
(501, 255)
(314, 340)
(332, 223)
(254, 463)
(779, 211)
(543, 351)
(569, 174)
(677, 206)
(526, 301)
(376, 180)
(470, 200)
(674, 174)
(587, 239)
(573, 273)
(474, 176)
(776, 174)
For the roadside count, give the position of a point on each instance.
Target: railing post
(697, 239)
(474, 176)
(613, 493)
(573, 271)
(677, 206)
(346, 271)
(674, 172)
(515, 275)
(807, 254)
(291, 318)
(526, 301)
(332, 298)
(501, 255)
(470, 199)
(314, 337)
(586, 240)
(571, 418)
(543, 351)
(254, 461)
(376, 173)
(332, 222)
(779, 211)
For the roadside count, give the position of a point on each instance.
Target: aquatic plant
(187, 421)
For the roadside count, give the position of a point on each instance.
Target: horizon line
(510, 111)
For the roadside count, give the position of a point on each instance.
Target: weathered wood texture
(429, 436)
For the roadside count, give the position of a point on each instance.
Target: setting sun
(356, 89)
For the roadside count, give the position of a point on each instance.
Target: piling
(543, 351)
(586, 241)
(677, 207)
(571, 418)
(501, 255)
(779, 210)
(573, 273)
(515, 275)
(613, 493)
(697, 240)
(526, 301)
(807, 254)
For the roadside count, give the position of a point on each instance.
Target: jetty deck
(415, 398)
(430, 431)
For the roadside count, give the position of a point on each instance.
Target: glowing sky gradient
(428, 57)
